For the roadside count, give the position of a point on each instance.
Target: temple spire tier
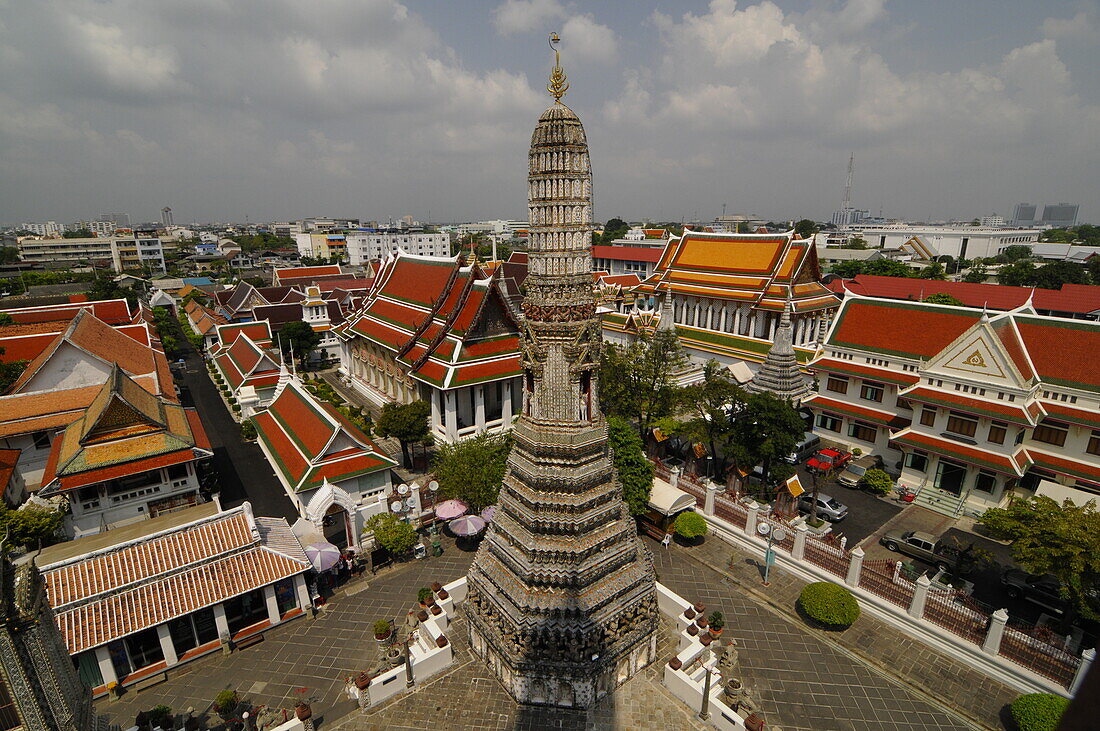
(562, 603)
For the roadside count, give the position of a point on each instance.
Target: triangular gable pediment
(118, 414)
(493, 318)
(977, 354)
(340, 441)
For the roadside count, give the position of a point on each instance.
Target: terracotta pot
(702, 622)
(689, 613)
(441, 641)
(693, 630)
(675, 663)
(436, 586)
(436, 610)
(431, 601)
(422, 616)
(715, 632)
(442, 594)
(303, 711)
(362, 680)
(705, 639)
(700, 607)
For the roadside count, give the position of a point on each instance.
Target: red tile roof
(875, 416)
(1064, 412)
(907, 329)
(1014, 465)
(305, 272)
(1010, 412)
(1072, 298)
(649, 254)
(113, 312)
(847, 368)
(1064, 351)
(8, 459)
(1064, 466)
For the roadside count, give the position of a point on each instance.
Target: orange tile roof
(908, 329)
(1063, 466)
(1010, 412)
(1014, 465)
(1064, 351)
(1081, 417)
(875, 416)
(326, 270)
(113, 312)
(119, 590)
(8, 459)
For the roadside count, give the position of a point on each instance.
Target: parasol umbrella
(488, 513)
(450, 509)
(467, 525)
(323, 556)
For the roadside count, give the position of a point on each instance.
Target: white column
(772, 319)
(273, 614)
(737, 320)
(992, 643)
(435, 411)
(713, 488)
(750, 520)
(798, 550)
(300, 588)
(479, 408)
(920, 596)
(220, 621)
(1087, 658)
(855, 566)
(452, 415)
(166, 645)
(506, 402)
(106, 667)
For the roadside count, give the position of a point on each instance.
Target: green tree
(636, 380)
(976, 275)
(766, 430)
(805, 228)
(299, 339)
(30, 527)
(848, 269)
(472, 470)
(10, 372)
(1017, 274)
(712, 405)
(635, 471)
(6, 319)
(1062, 540)
(887, 268)
(396, 536)
(407, 423)
(1057, 273)
(942, 298)
(877, 481)
(9, 254)
(856, 242)
(1017, 252)
(616, 228)
(934, 270)
(689, 525)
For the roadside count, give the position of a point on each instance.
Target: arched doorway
(336, 526)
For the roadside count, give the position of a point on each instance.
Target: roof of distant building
(1074, 299)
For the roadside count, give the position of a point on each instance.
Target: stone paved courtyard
(801, 679)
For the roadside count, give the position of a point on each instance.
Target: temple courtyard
(800, 678)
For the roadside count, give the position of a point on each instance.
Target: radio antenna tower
(848, 187)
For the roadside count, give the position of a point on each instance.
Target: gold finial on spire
(558, 85)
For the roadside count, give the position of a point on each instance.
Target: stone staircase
(939, 501)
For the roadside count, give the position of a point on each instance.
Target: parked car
(1045, 590)
(919, 544)
(853, 472)
(827, 507)
(828, 459)
(809, 443)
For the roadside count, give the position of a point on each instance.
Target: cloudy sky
(279, 109)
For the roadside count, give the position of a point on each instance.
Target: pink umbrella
(323, 556)
(467, 525)
(488, 513)
(450, 509)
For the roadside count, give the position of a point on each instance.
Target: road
(243, 472)
(866, 513)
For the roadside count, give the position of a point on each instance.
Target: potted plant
(436, 610)
(114, 688)
(441, 641)
(382, 630)
(442, 593)
(436, 586)
(226, 702)
(423, 595)
(422, 615)
(362, 680)
(160, 716)
(689, 613)
(717, 622)
(701, 621)
(302, 708)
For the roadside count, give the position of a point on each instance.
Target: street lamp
(778, 534)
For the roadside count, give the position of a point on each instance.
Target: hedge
(690, 524)
(1038, 711)
(829, 604)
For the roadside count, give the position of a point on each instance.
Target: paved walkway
(313, 656)
(869, 676)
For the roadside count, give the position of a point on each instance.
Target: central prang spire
(562, 596)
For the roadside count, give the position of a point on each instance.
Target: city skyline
(381, 109)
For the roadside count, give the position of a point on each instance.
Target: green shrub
(1038, 711)
(381, 627)
(248, 429)
(422, 594)
(829, 604)
(226, 701)
(396, 536)
(160, 715)
(856, 451)
(716, 620)
(877, 481)
(232, 400)
(690, 524)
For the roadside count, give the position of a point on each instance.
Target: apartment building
(360, 247)
(967, 407)
(124, 253)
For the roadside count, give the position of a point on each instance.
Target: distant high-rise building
(120, 220)
(166, 216)
(1062, 215)
(993, 221)
(848, 216)
(1024, 214)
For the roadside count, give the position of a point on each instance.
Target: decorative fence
(882, 579)
(1037, 648)
(950, 612)
(829, 557)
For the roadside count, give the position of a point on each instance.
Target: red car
(828, 459)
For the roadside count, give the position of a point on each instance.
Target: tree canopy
(942, 298)
(299, 339)
(1062, 540)
(30, 527)
(766, 429)
(396, 536)
(712, 405)
(1017, 274)
(635, 471)
(805, 228)
(10, 372)
(407, 423)
(636, 380)
(472, 470)
(615, 228)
